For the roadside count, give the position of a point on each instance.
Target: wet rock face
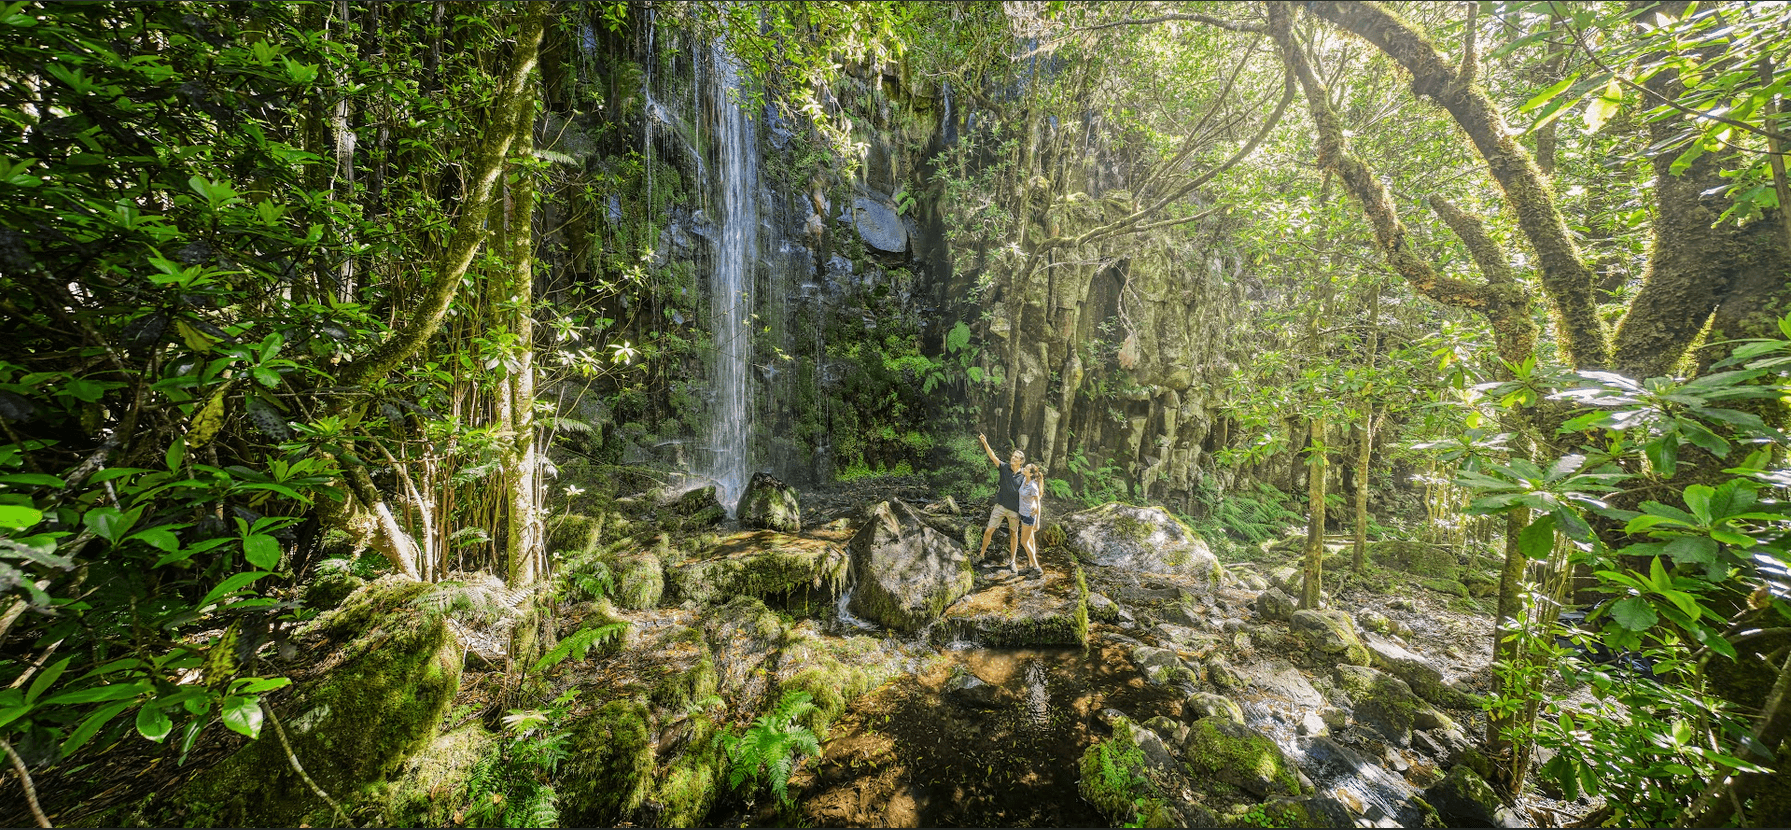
(905, 572)
(1141, 540)
(1425, 679)
(770, 504)
(1383, 702)
(1331, 633)
(971, 691)
(878, 223)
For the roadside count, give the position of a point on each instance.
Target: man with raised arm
(1007, 502)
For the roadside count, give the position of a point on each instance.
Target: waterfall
(735, 204)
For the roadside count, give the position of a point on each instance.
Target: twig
(18, 766)
(293, 759)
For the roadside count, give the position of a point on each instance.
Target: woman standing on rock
(1032, 490)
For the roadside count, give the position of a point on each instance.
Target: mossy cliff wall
(889, 314)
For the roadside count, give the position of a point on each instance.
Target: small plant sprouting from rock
(770, 749)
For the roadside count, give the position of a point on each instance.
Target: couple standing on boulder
(1018, 500)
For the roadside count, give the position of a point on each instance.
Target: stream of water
(735, 203)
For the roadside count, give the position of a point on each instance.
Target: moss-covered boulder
(904, 572)
(692, 510)
(1308, 811)
(1140, 539)
(1231, 752)
(376, 699)
(609, 768)
(1383, 702)
(1421, 558)
(333, 581)
(640, 580)
(688, 785)
(759, 563)
(432, 787)
(1209, 705)
(769, 504)
(1275, 604)
(745, 637)
(1116, 781)
(1332, 634)
(833, 671)
(1426, 680)
(1464, 799)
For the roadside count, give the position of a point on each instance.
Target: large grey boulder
(1242, 757)
(1275, 604)
(878, 223)
(1464, 799)
(1140, 540)
(905, 572)
(1331, 633)
(1383, 702)
(769, 504)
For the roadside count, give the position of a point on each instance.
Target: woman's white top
(1029, 498)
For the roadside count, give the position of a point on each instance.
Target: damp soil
(911, 755)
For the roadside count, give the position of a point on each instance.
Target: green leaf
(242, 714)
(1634, 614)
(19, 516)
(1697, 497)
(109, 523)
(1604, 106)
(177, 454)
(257, 685)
(153, 723)
(93, 724)
(230, 586)
(160, 538)
(99, 694)
(43, 681)
(1537, 540)
(1549, 94)
(32, 480)
(262, 551)
(1691, 550)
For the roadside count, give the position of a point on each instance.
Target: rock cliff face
(881, 296)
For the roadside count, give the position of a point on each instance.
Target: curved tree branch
(1565, 275)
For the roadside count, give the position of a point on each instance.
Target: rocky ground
(1136, 679)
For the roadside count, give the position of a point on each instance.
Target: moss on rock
(759, 563)
(377, 702)
(1241, 756)
(1421, 558)
(1115, 781)
(640, 580)
(432, 787)
(1331, 633)
(610, 768)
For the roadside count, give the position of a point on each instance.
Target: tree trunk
(522, 543)
(1311, 583)
(1365, 450)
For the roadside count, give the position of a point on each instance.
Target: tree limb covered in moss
(469, 226)
(1565, 275)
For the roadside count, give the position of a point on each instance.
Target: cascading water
(735, 203)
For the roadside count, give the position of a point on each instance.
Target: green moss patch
(1116, 781)
(610, 769)
(1238, 755)
(432, 787)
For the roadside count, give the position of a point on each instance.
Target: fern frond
(579, 644)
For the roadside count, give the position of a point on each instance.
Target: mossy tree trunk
(516, 397)
(1312, 581)
(1365, 447)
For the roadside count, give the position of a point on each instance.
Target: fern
(578, 645)
(770, 749)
